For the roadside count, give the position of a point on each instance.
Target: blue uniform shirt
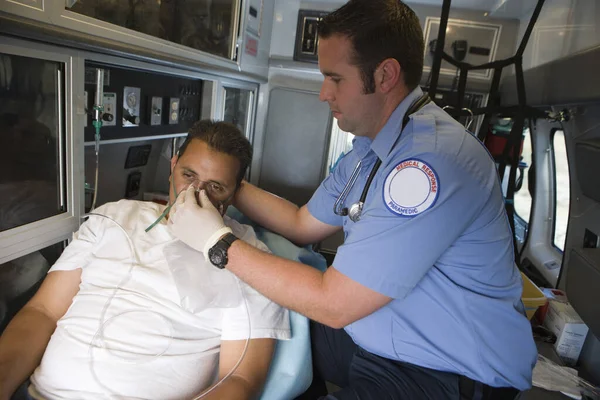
(435, 237)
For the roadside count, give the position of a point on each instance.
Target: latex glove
(200, 226)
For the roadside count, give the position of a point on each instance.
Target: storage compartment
(587, 161)
(31, 135)
(210, 26)
(583, 286)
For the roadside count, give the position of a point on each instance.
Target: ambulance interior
(156, 67)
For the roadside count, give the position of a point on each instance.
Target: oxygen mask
(215, 193)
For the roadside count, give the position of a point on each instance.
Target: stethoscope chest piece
(355, 211)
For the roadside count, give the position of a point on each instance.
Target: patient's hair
(223, 137)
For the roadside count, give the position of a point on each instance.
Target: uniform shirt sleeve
(321, 204)
(390, 253)
(267, 319)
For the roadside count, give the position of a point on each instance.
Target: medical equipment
(355, 210)
(97, 123)
(197, 185)
(468, 110)
(98, 339)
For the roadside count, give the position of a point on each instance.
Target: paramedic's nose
(326, 93)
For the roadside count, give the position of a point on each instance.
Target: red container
(496, 143)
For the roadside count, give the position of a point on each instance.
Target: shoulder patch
(411, 188)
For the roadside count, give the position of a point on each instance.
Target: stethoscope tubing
(356, 208)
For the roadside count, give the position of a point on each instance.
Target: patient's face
(207, 169)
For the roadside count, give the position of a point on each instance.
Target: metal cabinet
(209, 26)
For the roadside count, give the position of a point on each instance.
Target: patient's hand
(197, 224)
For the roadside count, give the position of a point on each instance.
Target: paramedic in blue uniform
(423, 298)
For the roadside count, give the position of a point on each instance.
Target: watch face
(217, 257)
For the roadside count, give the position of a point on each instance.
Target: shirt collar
(386, 138)
(361, 146)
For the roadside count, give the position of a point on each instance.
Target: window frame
(518, 220)
(539, 247)
(555, 186)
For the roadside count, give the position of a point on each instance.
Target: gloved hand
(200, 226)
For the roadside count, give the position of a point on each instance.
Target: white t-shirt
(145, 344)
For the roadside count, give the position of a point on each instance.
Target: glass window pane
(237, 107)
(205, 25)
(563, 191)
(340, 143)
(21, 277)
(522, 194)
(29, 140)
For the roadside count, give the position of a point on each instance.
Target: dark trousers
(366, 376)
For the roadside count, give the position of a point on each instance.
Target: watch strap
(229, 239)
(214, 238)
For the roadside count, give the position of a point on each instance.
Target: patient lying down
(109, 323)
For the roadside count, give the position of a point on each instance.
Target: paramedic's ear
(388, 74)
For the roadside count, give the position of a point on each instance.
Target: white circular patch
(411, 188)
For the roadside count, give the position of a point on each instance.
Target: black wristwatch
(218, 253)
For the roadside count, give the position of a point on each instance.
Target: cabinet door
(39, 185)
(238, 108)
(210, 26)
(31, 140)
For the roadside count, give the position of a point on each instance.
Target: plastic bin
(532, 296)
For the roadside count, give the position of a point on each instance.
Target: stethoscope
(355, 211)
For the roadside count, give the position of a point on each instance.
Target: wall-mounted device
(156, 106)
(254, 17)
(137, 156)
(173, 110)
(459, 49)
(139, 103)
(134, 181)
(109, 116)
(131, 106)
(307, 35)
(468, 41)
(590, 240)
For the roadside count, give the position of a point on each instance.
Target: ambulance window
(562, 190)
(522, 195)
(340, 143)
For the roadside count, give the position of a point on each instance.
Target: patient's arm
(248, 379)
(24, 341)
(281, 216)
